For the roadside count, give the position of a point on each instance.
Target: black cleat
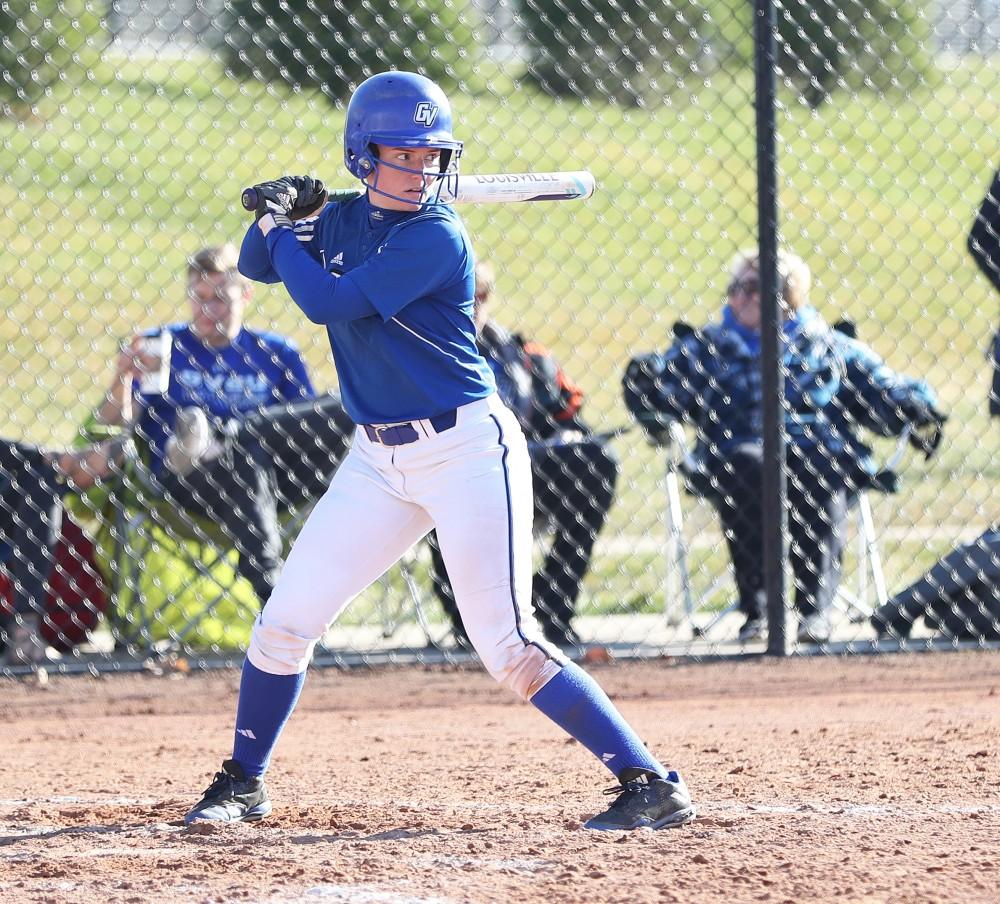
(232, 797)
(645, 801)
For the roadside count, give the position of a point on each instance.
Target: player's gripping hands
(286, 199)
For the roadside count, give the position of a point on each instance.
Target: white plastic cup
(155, 380)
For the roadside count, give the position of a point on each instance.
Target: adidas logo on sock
(607, 757)
(247, 733)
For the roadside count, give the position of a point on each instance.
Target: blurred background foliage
(334, 47)
(44, 43)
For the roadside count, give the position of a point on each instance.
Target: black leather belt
(408, 431)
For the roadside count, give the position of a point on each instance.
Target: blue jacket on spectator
(834, 385)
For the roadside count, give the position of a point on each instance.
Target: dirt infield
(862, 780)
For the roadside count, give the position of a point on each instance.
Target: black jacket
(984, 237)
(984, 246)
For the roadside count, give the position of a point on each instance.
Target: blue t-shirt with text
(255, 370)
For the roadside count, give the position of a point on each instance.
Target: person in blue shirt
(390, 276)
(197, 427)
(233, 432)
(834, 386)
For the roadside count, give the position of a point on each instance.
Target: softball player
(390, 275)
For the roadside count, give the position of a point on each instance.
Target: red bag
(78, 596)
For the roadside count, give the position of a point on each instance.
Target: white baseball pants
(473, 484)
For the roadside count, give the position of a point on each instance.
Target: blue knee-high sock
(266, 702)
(576, 703)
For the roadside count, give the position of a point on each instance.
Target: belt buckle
(378, 428)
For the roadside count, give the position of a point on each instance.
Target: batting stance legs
(381, 501)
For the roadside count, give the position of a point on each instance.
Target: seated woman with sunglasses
(834, 385)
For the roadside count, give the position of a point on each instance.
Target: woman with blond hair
(834, 385)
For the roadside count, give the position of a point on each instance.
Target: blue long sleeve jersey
(395, 293)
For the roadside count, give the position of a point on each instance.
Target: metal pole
(772, 382)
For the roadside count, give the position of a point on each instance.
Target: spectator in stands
(573, 470)
(984, 245)
(960, 595)
(834, 385)
(236, 432)
(217, 373)
(232, 430)
(33, 482)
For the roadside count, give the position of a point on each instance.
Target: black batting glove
(276, 198)
(310, 195)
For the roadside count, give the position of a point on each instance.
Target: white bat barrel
(514, 187)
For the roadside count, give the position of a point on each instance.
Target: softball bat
(493, 188)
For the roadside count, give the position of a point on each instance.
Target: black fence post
(773, 507)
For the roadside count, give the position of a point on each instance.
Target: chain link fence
(129, 129)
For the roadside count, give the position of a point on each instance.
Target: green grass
(116, 181)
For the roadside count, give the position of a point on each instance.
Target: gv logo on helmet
(425, 113)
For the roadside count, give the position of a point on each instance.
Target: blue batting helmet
(401, 110)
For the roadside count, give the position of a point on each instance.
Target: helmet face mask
(401, 110)
(441, 190)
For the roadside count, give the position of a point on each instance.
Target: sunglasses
(747, 286)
